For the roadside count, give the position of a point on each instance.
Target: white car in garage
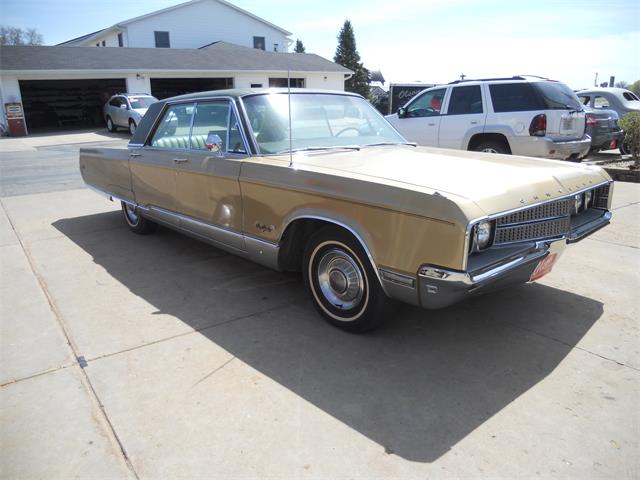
(126, 110)
(519, 115)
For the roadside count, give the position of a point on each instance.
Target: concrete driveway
(125, 356)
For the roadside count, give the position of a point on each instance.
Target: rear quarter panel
(107, 169)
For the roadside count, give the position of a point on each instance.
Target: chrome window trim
(473, 222)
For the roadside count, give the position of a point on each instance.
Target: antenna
(289, 101)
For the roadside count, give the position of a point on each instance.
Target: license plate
(544, 267)
(613, 144)
(566, 124)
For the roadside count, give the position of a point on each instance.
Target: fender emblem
(265, 228)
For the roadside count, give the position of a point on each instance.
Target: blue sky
(427, 40)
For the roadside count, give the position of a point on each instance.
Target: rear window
(557, 96)
(630, 96)
(514, 97)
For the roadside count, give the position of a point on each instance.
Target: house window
(162, 39)
(259, 43)
(282, 82)
(120, 40)
(256, 85)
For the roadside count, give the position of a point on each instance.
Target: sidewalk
(33, 142)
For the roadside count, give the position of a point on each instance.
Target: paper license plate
(544, 267)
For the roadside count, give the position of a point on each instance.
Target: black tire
(136, 222)
(493, 146)
(348, 278)
(110, 125)
(624, 149)
(132, 127)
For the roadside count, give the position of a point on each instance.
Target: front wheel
(132, 127)
(342, 284)
(136, 222)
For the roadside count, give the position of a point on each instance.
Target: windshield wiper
(411, 144)
(315, 149)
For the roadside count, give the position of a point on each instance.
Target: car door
(153, 167)
(419, 121)
(465, 116)
(207, 187)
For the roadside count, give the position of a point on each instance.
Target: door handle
(474, 123)
(431, 124)
(180, 160)
(135, 154)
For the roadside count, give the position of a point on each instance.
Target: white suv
(519, 115)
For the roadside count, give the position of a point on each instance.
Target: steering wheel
(346, 130)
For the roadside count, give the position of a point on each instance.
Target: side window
(210, 118)
(465, 100)
(115, 102)
(514, 97)
(173, 131)
(427, 105)
(236, 145)
(584, 99)
(600, 102)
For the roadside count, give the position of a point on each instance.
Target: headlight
(587, 198)
(577, 203)
(483, 234)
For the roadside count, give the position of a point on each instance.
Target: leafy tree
(17, 36)
(299, 46)
(622, 84)
(635, 87)
(630, 123)
(347, 55)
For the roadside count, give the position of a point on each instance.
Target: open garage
(56, 104)
(170, 87)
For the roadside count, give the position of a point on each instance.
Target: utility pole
(595, 81)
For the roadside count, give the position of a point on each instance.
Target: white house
(190, 25)
(62, 87)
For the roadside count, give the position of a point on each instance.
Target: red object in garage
(15, 119)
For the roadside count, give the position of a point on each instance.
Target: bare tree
(16, 36)
(622, 84)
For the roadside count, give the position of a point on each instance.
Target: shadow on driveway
(417, 386)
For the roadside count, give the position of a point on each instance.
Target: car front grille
(547, 220)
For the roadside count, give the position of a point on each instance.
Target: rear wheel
(624, 149)
(136, 222)
(110, 126)
(492, 146)
(342, 284)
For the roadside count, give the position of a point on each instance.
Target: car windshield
(319, 121)
(557, 96)
(142, 102)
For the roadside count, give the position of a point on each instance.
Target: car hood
(495, 183)
(140, 111)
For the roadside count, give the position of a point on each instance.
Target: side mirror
(402, 112)
(123, 106)
(214, 142)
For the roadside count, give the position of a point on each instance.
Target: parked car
(620, 100)
(518, 115)
(319, 182)
(126, 110)
(603, 128)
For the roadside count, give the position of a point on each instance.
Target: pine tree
(347, 55)
(299, 46)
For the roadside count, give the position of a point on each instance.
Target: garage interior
(170, 87)
(58, 104)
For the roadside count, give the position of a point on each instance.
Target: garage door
(170, 87)
(57, 104)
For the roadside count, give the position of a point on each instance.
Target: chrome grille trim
(550, 210)
(533, 231)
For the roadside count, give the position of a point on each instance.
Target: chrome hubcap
(340, 279)
(132, 214)
(132, 128)
(489, 150)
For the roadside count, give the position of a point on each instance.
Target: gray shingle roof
(220, 56)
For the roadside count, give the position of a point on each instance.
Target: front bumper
(509, 266)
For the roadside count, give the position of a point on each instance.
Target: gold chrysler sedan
(319, 182)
